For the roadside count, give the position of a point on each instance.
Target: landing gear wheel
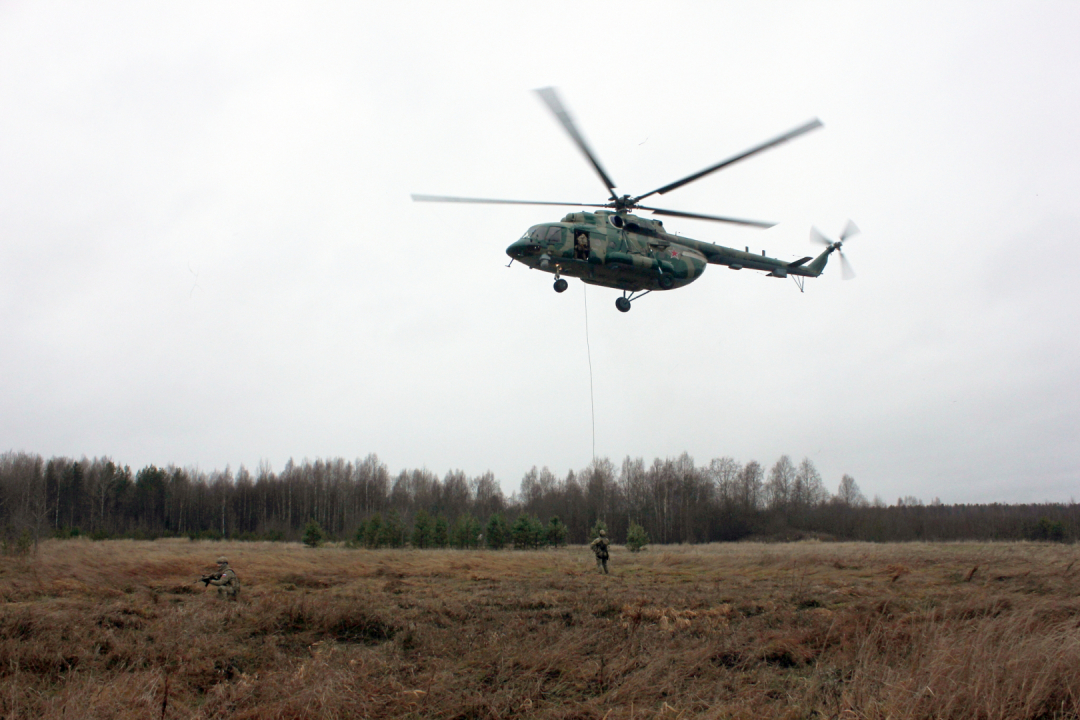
(622, 304)
(665, 282)
(560, 285)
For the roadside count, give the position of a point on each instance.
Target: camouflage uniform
(228, 585)
(600, 549)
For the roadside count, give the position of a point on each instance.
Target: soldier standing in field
(600, 550)
(228, 585)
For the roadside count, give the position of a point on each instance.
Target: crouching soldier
(228, 585)
(600, 550)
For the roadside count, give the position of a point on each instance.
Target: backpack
(601, 549)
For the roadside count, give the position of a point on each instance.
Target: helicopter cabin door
(581, 245)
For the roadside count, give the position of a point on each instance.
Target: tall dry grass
(118, 630)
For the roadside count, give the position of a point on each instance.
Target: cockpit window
(554, 234)
(537, 234)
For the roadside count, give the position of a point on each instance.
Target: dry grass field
(810, 630)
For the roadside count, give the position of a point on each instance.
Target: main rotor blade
(849, 230)
(816, 236)
(551, 99)
(714, 218)
(791, 134)
(846, 270)
(488, 201)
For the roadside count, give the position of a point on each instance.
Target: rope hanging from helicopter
(588, 353)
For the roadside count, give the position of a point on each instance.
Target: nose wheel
(560, 285)
(622, 304)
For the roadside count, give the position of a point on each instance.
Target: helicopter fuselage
(613, 250)
(634, 254)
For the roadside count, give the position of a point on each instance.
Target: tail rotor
(850, 230)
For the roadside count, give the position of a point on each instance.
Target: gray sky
(208, 254)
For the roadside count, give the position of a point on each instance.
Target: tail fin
(818, 264)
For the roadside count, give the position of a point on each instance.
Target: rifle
(206, 579)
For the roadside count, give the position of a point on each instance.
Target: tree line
(674, 500)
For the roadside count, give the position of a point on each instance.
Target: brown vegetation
(118, 629)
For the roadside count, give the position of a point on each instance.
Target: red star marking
(674, 254)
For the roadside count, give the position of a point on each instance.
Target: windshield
(544, 234)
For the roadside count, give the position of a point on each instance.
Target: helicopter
(612, 247)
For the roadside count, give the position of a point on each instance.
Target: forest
(362, 502)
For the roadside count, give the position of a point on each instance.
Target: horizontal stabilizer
(800, 262)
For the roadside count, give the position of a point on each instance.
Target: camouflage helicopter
(614, 248)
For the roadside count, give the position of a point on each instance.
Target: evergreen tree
(373, 531)
(393, 531)
(527, 532)
(423, 530)
(441, 535)
(313, 534)
(537, 533)
(594, 531)
(556, 532)
(357, 539)
(636, 538)
(467, 532)
(476, 532)
(1044, 529)
(497, 532)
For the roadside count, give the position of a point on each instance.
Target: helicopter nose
(522, 248)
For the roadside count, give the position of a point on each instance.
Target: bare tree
(778, 491)
(849, 493)
(455, 494)
(25, 502)
(487, 495)
(602, 493)
(634, 489)
(808, 490)
(751, 487)
(724, 473)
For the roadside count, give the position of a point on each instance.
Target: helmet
(603, 533)
(223, 560)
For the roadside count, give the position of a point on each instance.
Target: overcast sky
(209, 256)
